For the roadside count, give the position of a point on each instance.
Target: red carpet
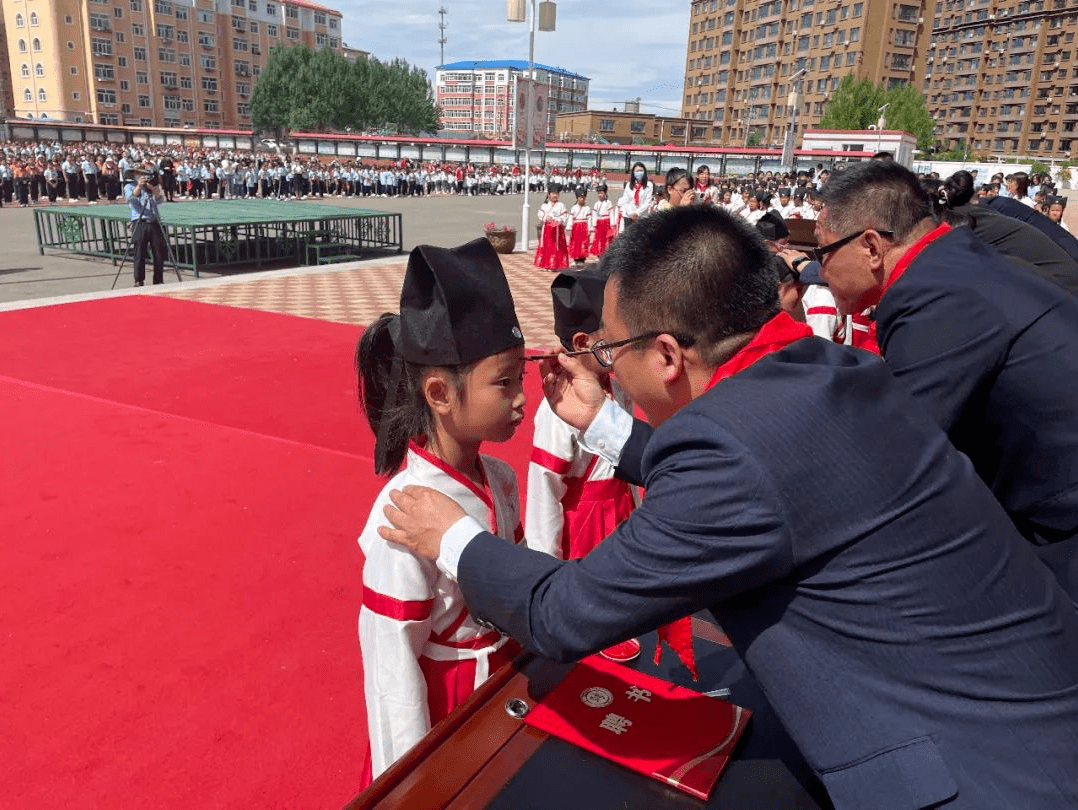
(179, 579)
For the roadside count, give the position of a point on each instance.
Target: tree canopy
(315, 91)
(857, 102)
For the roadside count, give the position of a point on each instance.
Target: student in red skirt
(604, 218)
(436, 382)
(580, 232)
(552, 253)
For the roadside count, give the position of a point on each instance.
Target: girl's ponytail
(389, 393)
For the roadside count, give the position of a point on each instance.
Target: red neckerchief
(418, 445)
(914, 252)
(636, 193)
(776, 334)
(702, 187)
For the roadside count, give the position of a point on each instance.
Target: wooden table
(481, 758)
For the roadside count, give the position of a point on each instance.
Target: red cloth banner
(670, 733)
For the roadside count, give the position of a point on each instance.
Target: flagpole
(525, 209)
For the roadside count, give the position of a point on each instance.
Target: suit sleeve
(709, 529)
(394, 625)
(946, 346)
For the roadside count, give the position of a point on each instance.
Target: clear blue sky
(627, 48)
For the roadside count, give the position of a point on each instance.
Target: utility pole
(442, 25)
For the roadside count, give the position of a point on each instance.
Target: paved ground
(350, 293)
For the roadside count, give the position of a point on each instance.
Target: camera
(153, 178)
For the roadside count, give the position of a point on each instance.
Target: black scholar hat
(772, 226)
(456, 306)
(578, 303)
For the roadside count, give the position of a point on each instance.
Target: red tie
(636, 193)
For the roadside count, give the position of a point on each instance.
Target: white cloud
(628, 50)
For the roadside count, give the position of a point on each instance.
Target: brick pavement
(359, 292)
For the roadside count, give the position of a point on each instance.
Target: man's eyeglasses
(819, 252)
(603, 351)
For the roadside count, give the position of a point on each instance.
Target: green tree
(907, 111)
(271, 99)
(304, 90)
(857, 103)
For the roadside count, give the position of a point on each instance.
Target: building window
(106, 96)
(210, 105)
(33, 18)
(121, 61)
(27, 95)
(136, 5)
(125, 85)
(144, 101)
(104, 73)
(205, 16)
(293, 33)
(102, 47)
(76, 96)
(37, 44)
(319, 18)
(271, 9)
(109, 119)
(22, 46)
(243, 110)
(185, 59)
(333, 23)
(636, 126)
(253, 26)
(205, 40)
(291, 12)
(271, 30)
(140, 54)
(208, 62)
(606, 124)
(138, 30)
(209, 84)
(181, 13)
(20, 21)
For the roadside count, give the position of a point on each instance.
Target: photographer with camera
(144, 196)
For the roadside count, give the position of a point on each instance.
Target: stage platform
(216, 234)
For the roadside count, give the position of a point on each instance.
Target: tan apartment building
(594, 126)
(742, 54)
(1002, 76)
(152, 62)
(7, 94)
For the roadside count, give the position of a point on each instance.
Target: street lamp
(881, 122)
(793, 101)
(515, 13)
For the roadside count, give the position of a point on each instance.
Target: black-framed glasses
(819, 252)
(604, 351)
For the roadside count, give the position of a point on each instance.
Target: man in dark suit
(913, 646)
(990, 350)
(1032, 216)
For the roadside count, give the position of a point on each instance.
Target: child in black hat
(604, 217)
(580, 233)
(574, 500)
(436, 381)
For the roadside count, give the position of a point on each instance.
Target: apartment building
(7, 94)
(152, 62)
(742, 53)
(1001, 77)
(596, 126)
(478, 97)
